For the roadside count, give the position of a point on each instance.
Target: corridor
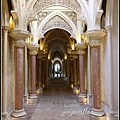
(59, 103)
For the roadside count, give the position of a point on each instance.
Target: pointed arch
(50, 16)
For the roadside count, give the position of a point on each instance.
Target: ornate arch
(49, 20)
(35, 6)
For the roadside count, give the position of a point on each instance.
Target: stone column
(109, 37)
(74, 73)
(81, 52)
(68, 81)
(26, 80)
(46, 71)
(95, 37)
(89, 95)
(40, 55)
(19, 37)
(50, 69)
(70, 73)
(5, 32)
(43, 72)
(33, 53)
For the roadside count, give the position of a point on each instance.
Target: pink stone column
(43, 72)
(95, 37)
(82, 74)
(75, 73)
(70, 65)
(39, 73)
(33, 53)
(19, 37)
(81, 70)
(95, 54)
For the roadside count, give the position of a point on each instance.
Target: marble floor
(59, 103)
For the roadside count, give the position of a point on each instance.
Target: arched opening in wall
(57, 69)
(55, 45)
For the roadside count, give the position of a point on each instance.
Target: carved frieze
(73, 4)
(20, 43)
(95, 42)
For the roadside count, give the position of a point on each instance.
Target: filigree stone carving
(41, 16)
(73, 4)
(95, 42)
(56, 22)
(33, 52)
(81, 52)
(20, 43)
(72, 15)
(5, 28)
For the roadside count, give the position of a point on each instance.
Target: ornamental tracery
(72, 16)
(73, 4)
(57, 22)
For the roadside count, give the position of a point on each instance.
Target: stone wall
(10, 75)
(105, 65)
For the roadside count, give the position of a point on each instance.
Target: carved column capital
(108, 27)
(81, 52)
(5, 28)
(33, 49)
(40, 53)
(94, 37)
(94, 42)
(75, 56)
(81, 48)
(19, 36)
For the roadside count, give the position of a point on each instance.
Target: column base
(82, 98)
(39, 91)
(4, 113)
(19, 113)
(33, 96)
(71, 85)
(75, 90)
(97, 112)
(43, 85)
(82, 95)
(25, 99)
(90, 99)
